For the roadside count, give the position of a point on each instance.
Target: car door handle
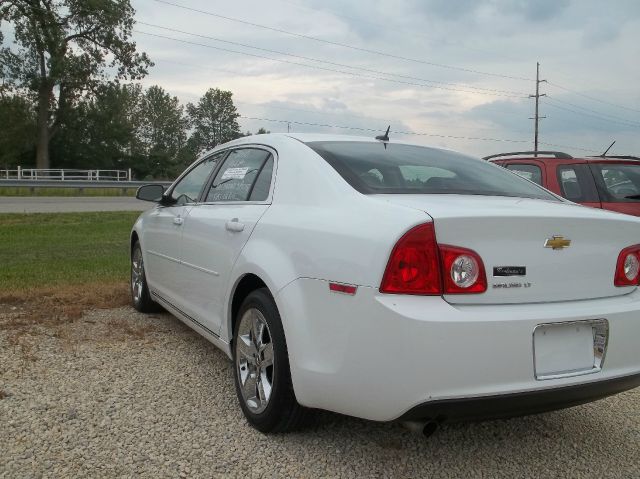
(234, 225)
(178, 221)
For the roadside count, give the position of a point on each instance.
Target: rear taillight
(413, 266)
(628, 267)
(417, 265)
(463, 271)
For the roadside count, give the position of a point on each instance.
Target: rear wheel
(262, 374)
(140, 296)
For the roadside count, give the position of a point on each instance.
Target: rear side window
(528, 171)
(618, 183)
(260, 190)
(235, 178)
(376, 168)
(576, 183)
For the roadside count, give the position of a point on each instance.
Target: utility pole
(288, 127)
(537, 117)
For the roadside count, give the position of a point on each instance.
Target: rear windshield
(618, 182)
(371, 168)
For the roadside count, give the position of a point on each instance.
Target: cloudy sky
(443, 70)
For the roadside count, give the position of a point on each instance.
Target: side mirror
(150, 193)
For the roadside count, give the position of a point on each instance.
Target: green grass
(44, 191)
(42, 250)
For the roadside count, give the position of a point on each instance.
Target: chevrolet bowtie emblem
(557, 242)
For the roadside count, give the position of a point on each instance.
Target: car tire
(259, 333)
(140, 297)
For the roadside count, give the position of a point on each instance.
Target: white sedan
(390, 281)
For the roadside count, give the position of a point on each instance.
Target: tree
(4, 85)
(262, 131)
(17, 133)
(101, 131)
(214, 120)
(162, 132)
(65, 48)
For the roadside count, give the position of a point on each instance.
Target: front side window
(188, 189)
(528, 171)
(372, 168)
(619, 182)
(235, 180)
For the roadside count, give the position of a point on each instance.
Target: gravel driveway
(120, 394)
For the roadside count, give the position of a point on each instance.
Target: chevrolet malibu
(390, 281)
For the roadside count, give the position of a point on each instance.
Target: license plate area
(569, 349)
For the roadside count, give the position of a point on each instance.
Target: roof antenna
(384, 137)
(607, 150)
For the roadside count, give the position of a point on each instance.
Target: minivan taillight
(413, 266)
(628, 267)
(417, 265)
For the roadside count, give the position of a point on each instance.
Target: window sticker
(235, 173)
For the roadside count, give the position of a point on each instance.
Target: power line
(509, 93)
(317, 112)
(343, 45)
(626, 120)
(580, 113)
(349, 115)
(593, 98)
(380, 25)
(342, 65)
(317, 67)
(409, 133)
(570, 147)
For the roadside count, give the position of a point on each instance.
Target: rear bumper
(519, 404)
(379, 356)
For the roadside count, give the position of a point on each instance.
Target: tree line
(70, 97)
(120, 127)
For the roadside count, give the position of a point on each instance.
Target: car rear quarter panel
(319, 227)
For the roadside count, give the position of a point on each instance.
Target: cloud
(574, 128)
(450, 10)
(585, 45)
(536, 11)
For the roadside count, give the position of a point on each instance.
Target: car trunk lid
(510, 235)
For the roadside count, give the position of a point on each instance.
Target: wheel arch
(244, 286)
(133, 240)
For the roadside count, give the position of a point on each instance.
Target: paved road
(66, 204)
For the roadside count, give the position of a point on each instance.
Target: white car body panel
(205, 276)
(375, 355)
(162, 248)
(512, 231)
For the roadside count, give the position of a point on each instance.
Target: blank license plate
(569, 349)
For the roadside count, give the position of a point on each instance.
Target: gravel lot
(120, 394)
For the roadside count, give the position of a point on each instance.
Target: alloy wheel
(254, 360)
(137, 275)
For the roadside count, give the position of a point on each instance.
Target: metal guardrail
(65, 174)
(78, 183)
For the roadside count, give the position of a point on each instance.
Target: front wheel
(140, 296)
(262, 374)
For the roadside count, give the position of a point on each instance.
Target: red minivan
(611, 182)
